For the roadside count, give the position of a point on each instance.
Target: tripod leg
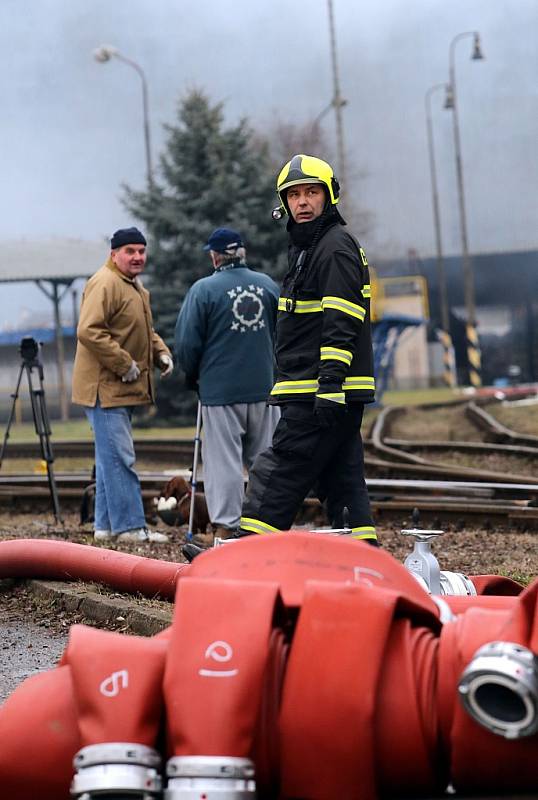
(15, 396)
(42, 426)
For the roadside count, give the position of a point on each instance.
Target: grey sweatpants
(233, 436)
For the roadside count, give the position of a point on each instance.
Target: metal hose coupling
(499, 689)
(210, 777)
(118, 769)
(456, 583)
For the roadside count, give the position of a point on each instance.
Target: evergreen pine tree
(212, 176)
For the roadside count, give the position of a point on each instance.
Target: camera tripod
(30, 360)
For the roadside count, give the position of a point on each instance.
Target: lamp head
(477, 50)
(104, 53)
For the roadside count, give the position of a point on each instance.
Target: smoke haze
(71, 130)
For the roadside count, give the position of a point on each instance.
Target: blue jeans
(118, 498)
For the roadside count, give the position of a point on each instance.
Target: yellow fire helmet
(307, 169)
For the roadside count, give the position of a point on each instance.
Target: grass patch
(516, 575)
(80, 429)
(520, 418)
(415, 397)
(18, 466)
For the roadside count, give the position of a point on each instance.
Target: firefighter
(324, 364)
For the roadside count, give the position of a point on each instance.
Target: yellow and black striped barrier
(474, 356)
(449, 367)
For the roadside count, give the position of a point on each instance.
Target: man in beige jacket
(117, 349)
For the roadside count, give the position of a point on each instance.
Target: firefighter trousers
(305, 456)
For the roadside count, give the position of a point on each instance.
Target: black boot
(190, 551)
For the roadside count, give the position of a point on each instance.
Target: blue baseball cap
(223, 239)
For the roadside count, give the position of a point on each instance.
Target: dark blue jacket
(323, 331)
(224, 335)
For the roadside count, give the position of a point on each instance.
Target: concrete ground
(36, 615)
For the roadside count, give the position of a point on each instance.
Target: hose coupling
(499, 689)
(210, 777)
(119, 769)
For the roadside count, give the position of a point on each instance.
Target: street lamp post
(473, 346)
(444, 334)
(104, 54)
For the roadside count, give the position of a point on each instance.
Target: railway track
(499, 440)
(385, 454)
(496, 432)
(490, 504)
(399, 479)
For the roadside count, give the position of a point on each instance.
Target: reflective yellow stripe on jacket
(350, 384)
(301, 306)
(366, 291)
(364, 532)
(345, 306)
(335, 354)
(336, 303)
(294, 387)
(334, 397)
(359, 382)
(261, 528)
(256, 526)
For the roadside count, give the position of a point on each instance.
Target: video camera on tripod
(29, 350)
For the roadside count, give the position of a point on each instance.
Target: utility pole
(338, 100)
(474, 358)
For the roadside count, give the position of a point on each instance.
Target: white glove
(132, 374)
(167, 366)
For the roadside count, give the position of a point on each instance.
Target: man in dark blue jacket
(224, 344)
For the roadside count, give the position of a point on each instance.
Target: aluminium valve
(424, 566)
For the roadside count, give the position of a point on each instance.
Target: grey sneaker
(142, 535)
(102, 535)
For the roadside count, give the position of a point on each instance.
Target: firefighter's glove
(330, 404)
(166, 364)
(132, 374)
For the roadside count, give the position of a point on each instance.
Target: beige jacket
(115, 328)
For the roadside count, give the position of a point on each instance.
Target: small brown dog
(178, 488)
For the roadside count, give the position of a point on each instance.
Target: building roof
(43, 335)
(52, 259)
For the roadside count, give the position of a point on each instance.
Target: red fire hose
(66, 561)
(320, 660)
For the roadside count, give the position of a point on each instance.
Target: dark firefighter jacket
(326, 331)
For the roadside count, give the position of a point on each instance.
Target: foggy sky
(71, 129)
